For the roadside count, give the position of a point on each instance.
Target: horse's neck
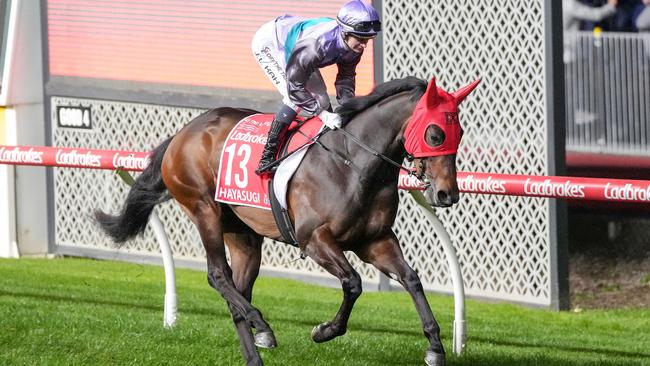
(381, 128)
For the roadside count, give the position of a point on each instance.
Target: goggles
(365, 27)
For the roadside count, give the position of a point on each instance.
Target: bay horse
(334, 206)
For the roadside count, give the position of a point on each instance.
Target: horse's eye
(434, 136)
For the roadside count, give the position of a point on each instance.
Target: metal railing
(608, 93)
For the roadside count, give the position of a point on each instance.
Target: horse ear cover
(463, 92)
(432, 94)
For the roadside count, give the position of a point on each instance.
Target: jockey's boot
(278, 129)
(271, 148)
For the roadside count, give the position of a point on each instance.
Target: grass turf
(85, 312)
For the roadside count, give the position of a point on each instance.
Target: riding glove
(331, 120)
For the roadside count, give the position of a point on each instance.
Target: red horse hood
(436, 107)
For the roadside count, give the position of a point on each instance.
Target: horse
(335, 206)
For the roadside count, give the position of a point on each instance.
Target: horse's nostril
(442, 196)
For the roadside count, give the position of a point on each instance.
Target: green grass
(646, 280)
(84, 312)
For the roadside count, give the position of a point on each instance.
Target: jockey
(292, 49)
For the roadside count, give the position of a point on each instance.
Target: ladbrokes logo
(409, 181)
(248, 137)
(548, 188)
(16, 155)
(627, 193)
(130, 162)
(73, 158)
(489, 185)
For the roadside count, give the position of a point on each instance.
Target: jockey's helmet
(359, 19)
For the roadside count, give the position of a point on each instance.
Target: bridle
(420, 168)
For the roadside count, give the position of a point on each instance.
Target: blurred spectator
(573, 12)
(623, 20)
(606, 24)
(643, 19)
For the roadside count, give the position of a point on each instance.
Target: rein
(419, 176)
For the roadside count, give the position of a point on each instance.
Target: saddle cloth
(237, 182)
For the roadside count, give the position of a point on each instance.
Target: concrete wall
(8, 246)
(24, 124)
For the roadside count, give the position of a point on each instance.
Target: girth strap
(280, 214)
(282, 219)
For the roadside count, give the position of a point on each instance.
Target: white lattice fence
(117, 126)
(502, 242)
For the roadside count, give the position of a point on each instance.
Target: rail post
(170, 309)
(460, 329)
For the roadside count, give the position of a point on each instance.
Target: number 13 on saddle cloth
(237, 182)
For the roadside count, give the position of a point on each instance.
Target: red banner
(73, 157)
(595, 189)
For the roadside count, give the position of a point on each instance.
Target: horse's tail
(147, 191)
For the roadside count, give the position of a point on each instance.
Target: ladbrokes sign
(485, 185)
(74, 158)
(130, 162)
(547, 188)
(17, 155)
(597, 189)
(627, 192)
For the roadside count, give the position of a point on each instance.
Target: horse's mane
(354, 106)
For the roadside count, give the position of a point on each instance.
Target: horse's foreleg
(387, 256)
(245, 258)
(325, 251)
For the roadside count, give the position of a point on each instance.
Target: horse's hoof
(265, 340)
(324, 332)
(317, 333)
(434, 359)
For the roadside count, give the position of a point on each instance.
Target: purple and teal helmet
(359, 19)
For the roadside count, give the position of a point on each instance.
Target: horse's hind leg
(245, 259)
(325, 251)
(206, 215)
(387, 256)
